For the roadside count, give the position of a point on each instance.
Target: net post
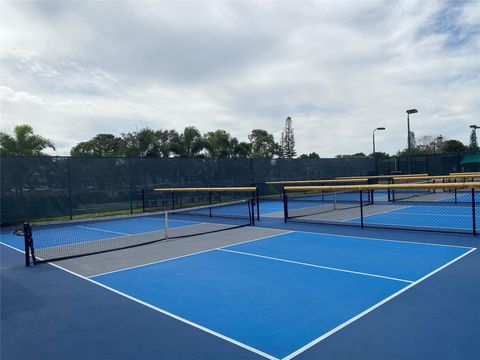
(210, 203)
(257, 201)
(361, 209)
(474, 222)
(173, 200)
(143, 200)
(251, 212)
(131, 200)
(26, 243)
(285, 206)
(29, 249)
(166, 225)
(389, 194)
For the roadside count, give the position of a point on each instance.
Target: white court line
(370, 238)
(370, 309)
(163, 220)
(187, 255)
(290, 356)
(430, 214)
(102, 230)
(316, 266)
(437, 228)
(378, 213)
(188, 322)
(176, 317)
(144, 232)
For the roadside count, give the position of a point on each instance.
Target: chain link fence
(43, 187)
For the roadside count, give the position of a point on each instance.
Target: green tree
(453, 146)
(99, 145)
(220, 144)
(23, 142)
(189, 144)
(263, 144)
(288, 140)
(148, 142)
(243, 150)
(312, 155)
(415, 149)
(379, 154)
(473, 146)
(347, 156)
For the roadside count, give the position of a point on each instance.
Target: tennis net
(178, 198)
(308, 203)
(440, 207)
(54, 241)
(432, 195)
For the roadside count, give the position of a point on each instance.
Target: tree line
(147, 142)
(219, 143)
(427, 145)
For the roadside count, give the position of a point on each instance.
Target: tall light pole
(411, 111)
(374, 157)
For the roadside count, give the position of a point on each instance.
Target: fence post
(252, 212)
(251, 171)
(69, 177)
(131, 183)
(285, 206)
(474, 221)
(210, 204)
(257, 200)
(361, 209)
(143, 200)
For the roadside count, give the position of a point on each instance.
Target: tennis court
(215, 290)
(238, 287)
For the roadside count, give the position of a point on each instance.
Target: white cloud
(339, 68)
(7, 94)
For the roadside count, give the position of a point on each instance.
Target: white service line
(102, 230)
(188, 322)
(184, 256)
(259, 352)
(370, 309)
(432, 214)
(315, 266)
(370, 238)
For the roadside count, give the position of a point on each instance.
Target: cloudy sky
(338, 68)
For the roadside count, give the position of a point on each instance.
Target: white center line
(316, 266)
(102, 230)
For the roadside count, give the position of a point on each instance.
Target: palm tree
(23, 142)
(189, 144)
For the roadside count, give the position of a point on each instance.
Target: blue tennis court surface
(433, 216)
(279, 295)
